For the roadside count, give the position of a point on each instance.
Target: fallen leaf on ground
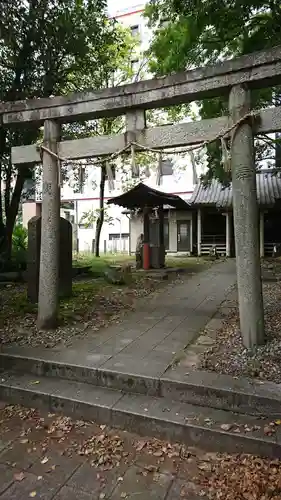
(45, 460)
(151, 468)
(33, 494)
(19, 476)
(226, 427)
(268, 431)
(204, 466)
(140, 445)
(158, 453)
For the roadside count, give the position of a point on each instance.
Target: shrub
(19, 246)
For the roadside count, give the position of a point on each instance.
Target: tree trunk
(245, 209)
(100, 219)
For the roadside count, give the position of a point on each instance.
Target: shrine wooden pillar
(161, 225)
(161, 237)
(261, 234)
(146, 248)
(199, 231)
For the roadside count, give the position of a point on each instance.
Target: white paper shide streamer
(226, 159)
(159, 170)
(135, 167)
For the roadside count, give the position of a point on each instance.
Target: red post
(146, 256)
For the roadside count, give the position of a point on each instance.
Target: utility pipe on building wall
(199, 231)
(120, 232)
(130, 221)
(227, 235)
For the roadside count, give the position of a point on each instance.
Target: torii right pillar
(245, 210)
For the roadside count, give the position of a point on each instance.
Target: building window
(135, 65)
(116, 236)
(28, 192)
(167, 167)
(135, 30)
(67, 205)
(118, 242)
(164, 22)
(84, 225)
(136, 172)
(82, 178)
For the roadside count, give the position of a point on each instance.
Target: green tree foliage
(190, 33)
(47, 47)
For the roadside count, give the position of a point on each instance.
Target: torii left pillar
(49, 256)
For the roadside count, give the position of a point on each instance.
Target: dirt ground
(228, 355)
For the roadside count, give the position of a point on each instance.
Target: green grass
(98, 264)
(187, 262)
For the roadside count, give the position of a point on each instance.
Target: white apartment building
(120, 231)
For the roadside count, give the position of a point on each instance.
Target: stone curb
(200, 388)
(143, 415)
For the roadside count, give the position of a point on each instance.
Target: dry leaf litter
(212, 476)
(228, 355)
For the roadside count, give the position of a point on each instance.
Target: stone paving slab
(171, 322)
(165, 324)
(23, 490)
(149, 487)
(86, 480)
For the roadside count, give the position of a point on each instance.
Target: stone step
(210, 429)
(199, 387)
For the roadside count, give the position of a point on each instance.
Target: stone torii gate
(234, 78)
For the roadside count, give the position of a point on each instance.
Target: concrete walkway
(149, 340)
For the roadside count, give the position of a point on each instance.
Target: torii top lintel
(187, 86)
